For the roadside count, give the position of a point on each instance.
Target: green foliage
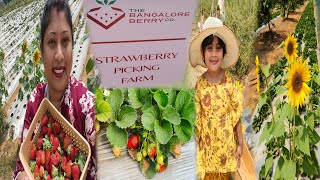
(161, 118)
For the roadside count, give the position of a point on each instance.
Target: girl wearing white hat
(218, 102)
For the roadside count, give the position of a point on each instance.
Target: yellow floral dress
(219, 108)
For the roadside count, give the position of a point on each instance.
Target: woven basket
(76, 137)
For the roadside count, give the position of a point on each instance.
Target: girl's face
(213, 55)
(57, 51)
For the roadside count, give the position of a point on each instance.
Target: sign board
(140, 43)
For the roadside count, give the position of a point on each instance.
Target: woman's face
(213, 55)
(57, 51)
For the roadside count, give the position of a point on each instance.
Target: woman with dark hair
(65, 92)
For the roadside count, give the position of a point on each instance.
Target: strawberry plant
(157, 120)
(53, 155)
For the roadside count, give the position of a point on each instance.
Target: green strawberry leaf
(163, 131)
(127, 117)
(172, 94)
(165, 149)
(182, 100)
(115, 100)
(161, 98)
(171, 115)
(149, 117)
(189, 113)
(106, 2)
(134, 98)
(103, 111)
(116, 136)
(184, 131)
(146, 105)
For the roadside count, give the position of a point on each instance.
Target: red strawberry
(162, 168)
(76, 151)
(41, 171)
(133, 141)
(66, 178)
(40, 157)
(55, 144)
(40, 142)
(48, 159)
(49, 131)
(49, 177)
(55, 158)
(51, 120)
(152, 152)
(64, 162)
(72, 154)
(66, 142)
(63, 134)
(36, 171)
(56, 128)
(68, 168)
(44, 119)
(44, 130)
(33, 152)
(75, 171)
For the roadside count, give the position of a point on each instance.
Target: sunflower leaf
(262, 100)
(266, 72)
(317, 79)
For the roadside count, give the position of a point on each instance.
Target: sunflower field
(288, 110)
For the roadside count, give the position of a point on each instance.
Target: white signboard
(140, 43)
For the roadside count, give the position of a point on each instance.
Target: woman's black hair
(58, 5)
(208, 41)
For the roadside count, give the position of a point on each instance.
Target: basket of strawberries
(53, 148)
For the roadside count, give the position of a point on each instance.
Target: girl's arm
(238, 132)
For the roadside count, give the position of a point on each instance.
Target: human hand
(239, 154)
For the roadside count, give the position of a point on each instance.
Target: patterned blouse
(77, 106)
(219, 108)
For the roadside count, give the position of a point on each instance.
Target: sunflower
(36, 56)
(258, 73)
(239, 85)
(290, 48)
(24, 47)
(299, 75)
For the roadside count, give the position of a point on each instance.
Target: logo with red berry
(106, 16)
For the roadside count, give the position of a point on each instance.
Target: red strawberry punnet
(64, 162)
(72, 153)
(75, 171)
(49, 131)
(36, 171)
(41, 171)
(133, 141)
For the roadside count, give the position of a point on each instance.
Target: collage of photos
(197, 89)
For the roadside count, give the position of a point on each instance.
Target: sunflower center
(297, 82)
(290, 48)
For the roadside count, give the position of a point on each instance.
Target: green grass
(243, 22)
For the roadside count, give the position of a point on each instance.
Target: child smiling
(218, 102)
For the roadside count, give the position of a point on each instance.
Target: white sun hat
(214, 26)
